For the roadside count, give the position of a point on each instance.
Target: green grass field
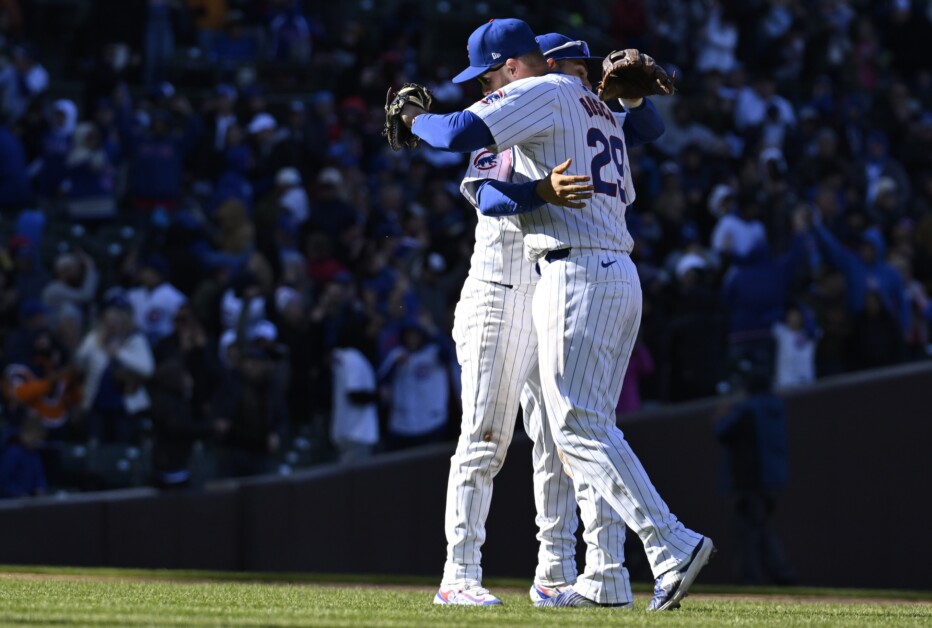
(72, 597)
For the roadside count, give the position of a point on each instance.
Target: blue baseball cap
(557, 46)
(494, 42)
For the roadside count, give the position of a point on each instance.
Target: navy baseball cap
(494, 42)
(557, 46)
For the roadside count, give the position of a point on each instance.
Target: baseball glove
(395, 131)
(630, 74)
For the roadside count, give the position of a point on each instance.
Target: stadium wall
(856, 513)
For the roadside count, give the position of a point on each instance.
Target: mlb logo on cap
(494, 42)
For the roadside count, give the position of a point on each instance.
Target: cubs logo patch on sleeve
(485, 160)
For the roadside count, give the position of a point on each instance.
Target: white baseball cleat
(465, 594)
(540, 592)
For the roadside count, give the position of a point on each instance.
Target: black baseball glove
(630, 74)
(395, 131)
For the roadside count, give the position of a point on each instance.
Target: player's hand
(409, 112)
(564, 190)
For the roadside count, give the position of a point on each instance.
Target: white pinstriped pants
(497, 349)
(587, 310)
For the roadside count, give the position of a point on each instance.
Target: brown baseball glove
(631, 74)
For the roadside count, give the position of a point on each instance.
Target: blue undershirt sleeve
(501, 198)
(643, 124)
(460, 132)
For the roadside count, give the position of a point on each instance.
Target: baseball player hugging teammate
(558, 343)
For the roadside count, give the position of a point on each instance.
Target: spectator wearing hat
(74, 284)
(886, 207)
(877, 164)
(155, 301)
(269, 155)
(114, 360)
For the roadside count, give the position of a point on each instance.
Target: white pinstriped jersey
(499, 253)
(547, 119)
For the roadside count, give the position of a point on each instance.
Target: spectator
(754, 435)
(176, 424)
(755, 292)
(33, 320)
(876, 338)
(14, 179)
(718, 41)
(21, 82)
(155, 302)
(89, 182)
(866, 270)
(795, 354)
(354, 419)
(419, 383)
(21, 471)
(114, 360)
(739, 231)
(157, 152)
(56, 146)
(250, 401)
(75, 283)
(695, 332)
(233, 47)
(289, 34)
(330, 213)
(295, 139)
(42, 386)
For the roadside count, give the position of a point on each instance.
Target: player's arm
(488, 124)
(460, 132)
(643, 123)
(504, 198)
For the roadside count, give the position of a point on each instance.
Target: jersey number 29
(611, 149)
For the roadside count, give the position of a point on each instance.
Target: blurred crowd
(212, 263)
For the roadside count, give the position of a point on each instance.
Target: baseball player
(587, 304)
(507, 281)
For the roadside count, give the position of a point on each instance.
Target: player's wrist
(631, 103)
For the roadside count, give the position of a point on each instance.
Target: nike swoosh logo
(607, 264)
